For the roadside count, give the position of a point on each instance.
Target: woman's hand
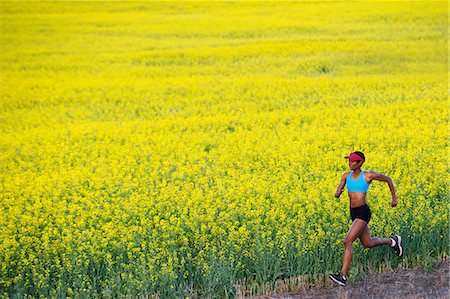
(394, 201)
(381, 177)
(340, 188)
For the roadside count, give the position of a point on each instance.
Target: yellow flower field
(178, 149)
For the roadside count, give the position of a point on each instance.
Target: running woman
(358, 182)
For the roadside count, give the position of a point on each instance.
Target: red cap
(355, 157)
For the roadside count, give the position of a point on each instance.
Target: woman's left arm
(372, 175)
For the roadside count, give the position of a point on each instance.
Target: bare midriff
(357, 199)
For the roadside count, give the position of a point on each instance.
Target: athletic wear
(358, 185)
(362, 212)
(339, 278)
(355, 157)
(397, 245)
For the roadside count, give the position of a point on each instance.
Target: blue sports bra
(358, 185)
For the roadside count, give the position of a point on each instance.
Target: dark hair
(361, 155)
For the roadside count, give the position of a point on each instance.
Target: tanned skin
(359, 228)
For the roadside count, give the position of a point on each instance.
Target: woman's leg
(358, 226)
(370, 242)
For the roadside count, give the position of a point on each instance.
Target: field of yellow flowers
(180, 149)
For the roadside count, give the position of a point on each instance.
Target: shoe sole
(400, 245)
(337, 281)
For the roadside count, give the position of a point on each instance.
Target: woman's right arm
(341, 186)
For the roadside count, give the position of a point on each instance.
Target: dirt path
(413, 284)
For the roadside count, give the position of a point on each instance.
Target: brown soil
(413, 284)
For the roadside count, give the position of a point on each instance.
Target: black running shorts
(362, 212)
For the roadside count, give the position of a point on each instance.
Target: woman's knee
(348, 242)
(368, 243)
